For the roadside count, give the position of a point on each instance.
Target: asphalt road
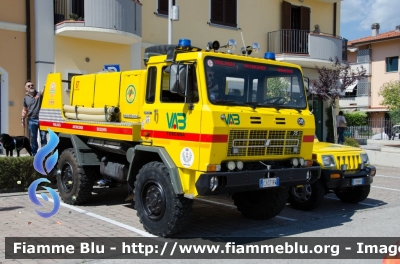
(108, 215)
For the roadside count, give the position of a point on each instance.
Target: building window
(70, 76)
(224, 12)
(295, 17)
(392, 64)
(163, 7)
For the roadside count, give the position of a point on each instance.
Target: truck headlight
(328, 161)
(231, 165)
(239, 165)
(295, 162)
(364, 158)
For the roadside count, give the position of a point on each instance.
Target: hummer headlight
(364, 158)
(328, 161)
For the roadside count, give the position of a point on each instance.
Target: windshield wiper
(282, 106)
(226, 102)
(253, 104)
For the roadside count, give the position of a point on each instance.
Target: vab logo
(176, 121)
(232, 119)
(49, 164)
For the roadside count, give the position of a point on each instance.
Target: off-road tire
(161, 49)
(353, 194)
(74, 183)
(261, 204)
(169, 213)
(307, 197)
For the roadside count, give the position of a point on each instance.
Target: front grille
(264, 142)
(352, 161)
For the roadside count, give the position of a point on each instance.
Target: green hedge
(351, 142)
(16, 174)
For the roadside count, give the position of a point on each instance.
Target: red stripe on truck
(89, 128)
(308, 138)
(208, 138)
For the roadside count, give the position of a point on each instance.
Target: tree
(277, 87)
(326, 86)
(395, 116)
(390, 91)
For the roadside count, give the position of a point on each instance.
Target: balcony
(115, 21)
(365, 65)
(305, 48)
(357, 97)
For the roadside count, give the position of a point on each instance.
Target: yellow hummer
(193, 123)
(345, 170)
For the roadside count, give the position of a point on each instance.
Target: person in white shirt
(341, 124)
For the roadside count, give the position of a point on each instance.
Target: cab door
(172, 120)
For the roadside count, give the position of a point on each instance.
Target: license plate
(270, 182)
(357, 181)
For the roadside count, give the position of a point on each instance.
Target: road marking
(105, 219)
(390, 189)
(367, 204)
(233, 206)
(394, 177)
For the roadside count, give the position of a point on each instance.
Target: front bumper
(345, 179)
(229, 182)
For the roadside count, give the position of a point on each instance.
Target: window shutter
(305, 18)
(286, 11)
(231, 12)
(217, 11)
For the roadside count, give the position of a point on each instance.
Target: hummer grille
(352, 161)
(264, 142)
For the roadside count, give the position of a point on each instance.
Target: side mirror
(178, 78)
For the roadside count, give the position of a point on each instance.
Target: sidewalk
(383, 152)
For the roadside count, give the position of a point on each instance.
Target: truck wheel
(261, 204)
(160, 210)
(161, 49)
(353, 194)
(307, 197)
(74, 183)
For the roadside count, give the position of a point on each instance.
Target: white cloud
(363, 13)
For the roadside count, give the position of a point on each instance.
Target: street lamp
(173, 15)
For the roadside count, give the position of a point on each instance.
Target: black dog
(17, 143)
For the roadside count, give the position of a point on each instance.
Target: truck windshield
(232, 82)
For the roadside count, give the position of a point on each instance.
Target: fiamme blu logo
(49, 164)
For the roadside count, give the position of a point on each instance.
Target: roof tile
(383, 36)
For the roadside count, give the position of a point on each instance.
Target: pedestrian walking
(341, 125)
(30, 110)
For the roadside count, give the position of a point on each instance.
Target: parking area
(109, 215)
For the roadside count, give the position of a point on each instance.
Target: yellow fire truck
(193, 123)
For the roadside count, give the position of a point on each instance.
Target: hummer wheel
(307, 197)
(160, 210)
(353, 194)
(74, 183)
(261, 204)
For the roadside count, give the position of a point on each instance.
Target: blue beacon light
(269, 56)
(184, 43)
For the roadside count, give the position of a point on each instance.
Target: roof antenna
(244, 45)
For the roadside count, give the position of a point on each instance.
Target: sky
(357, 16)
